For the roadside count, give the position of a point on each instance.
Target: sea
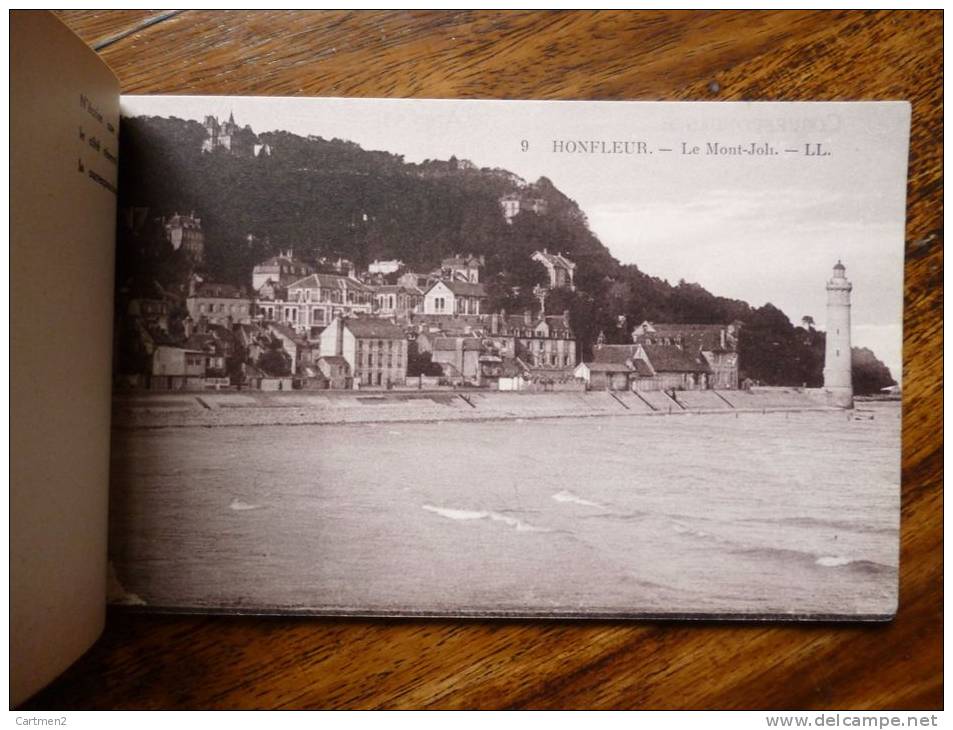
(733, 515)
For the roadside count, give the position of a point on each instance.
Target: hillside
(332, 198)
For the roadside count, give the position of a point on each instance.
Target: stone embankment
(162, 410)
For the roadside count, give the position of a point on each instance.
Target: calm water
(754, 514)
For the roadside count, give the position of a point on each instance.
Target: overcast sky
(758, 228)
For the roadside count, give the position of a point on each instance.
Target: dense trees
(332, 198)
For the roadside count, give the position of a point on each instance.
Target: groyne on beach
(208, 409)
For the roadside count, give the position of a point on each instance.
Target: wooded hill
(331, 198)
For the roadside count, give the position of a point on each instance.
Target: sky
(762, 228)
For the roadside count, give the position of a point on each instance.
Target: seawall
(209, 409)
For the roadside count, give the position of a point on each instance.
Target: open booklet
(456, 358)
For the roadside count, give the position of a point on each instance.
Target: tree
(868, 375)
(275, 361)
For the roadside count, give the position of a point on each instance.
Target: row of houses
(302, 328)
(667, 357)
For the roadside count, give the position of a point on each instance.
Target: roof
(555, 259)
(202, 341)
(280, 260)
(210, 290)
(669, 358)
(461, 261)
(329, 281)
(462, 288)
(373, 327)
(288, 332)
(695, 337)
(334, 360)
(450, 343)
(608, 367)
(642, 368)
(396, 289)
(613, 353)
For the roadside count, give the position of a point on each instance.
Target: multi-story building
(185, 232)
(543, 342)
(454, 297)
(218, 303)
(279, 270)
(462, 268)
(309, 304)
(393, 300)
(375, 350)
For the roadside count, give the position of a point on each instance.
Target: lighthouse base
(839, 397)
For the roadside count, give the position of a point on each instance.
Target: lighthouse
(837, 369)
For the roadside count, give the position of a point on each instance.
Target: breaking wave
(464, 514)
(567, 496)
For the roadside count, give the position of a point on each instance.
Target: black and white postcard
(507, 358)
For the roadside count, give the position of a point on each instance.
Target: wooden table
(228, 662)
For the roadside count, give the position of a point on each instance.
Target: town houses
(667, 357)
(323, 324)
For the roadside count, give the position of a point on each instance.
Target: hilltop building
(232, 138)
(512, 204)
(837, 351)
(561, 270)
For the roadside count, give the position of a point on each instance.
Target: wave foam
(463, 514)
(240, 506)
(567, 496)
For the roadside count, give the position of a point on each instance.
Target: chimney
(566, 318)
(723, 343)
(339, 338)
(187, 327)
(527, 318)
(494, 324)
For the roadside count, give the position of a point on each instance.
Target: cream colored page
(64, 138)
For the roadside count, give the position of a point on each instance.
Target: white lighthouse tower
(837, 369)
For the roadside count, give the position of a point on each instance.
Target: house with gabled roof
(561, 270)
(454, 297)
(658, 367)
(462, 268)
(717, 343)
(280, 270)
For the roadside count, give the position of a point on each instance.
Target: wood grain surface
(156, 661)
